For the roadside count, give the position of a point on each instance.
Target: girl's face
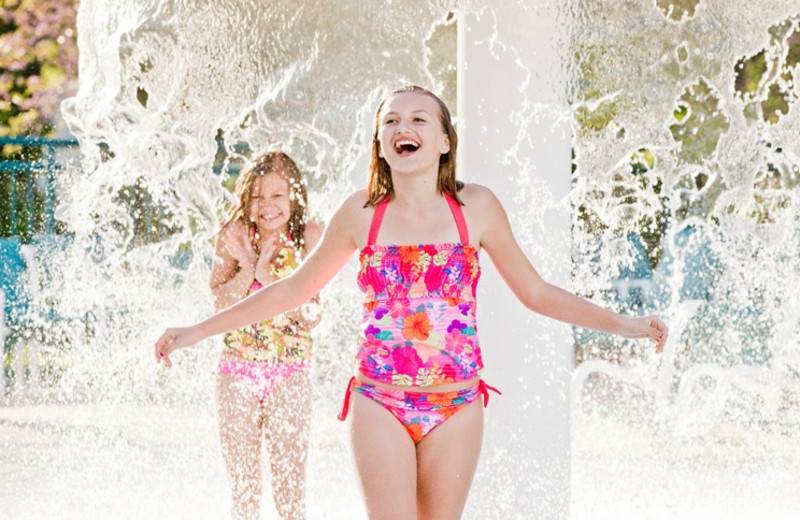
(410, 133)
(270, 207)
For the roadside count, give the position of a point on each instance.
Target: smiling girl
(416, 400)
(263, 383)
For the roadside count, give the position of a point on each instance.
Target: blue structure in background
(634, 282)
(12, 283)
(700, 266)
(639, 289)
(33, 233)
(28, 182)
(39, 176)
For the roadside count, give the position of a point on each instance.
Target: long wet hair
(265, 164)
(379, 182)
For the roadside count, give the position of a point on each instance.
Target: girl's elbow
(533, 302)
(538, 299)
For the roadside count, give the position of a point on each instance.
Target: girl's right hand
(174, 338)
(240, 248)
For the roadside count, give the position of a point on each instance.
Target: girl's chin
(271, 227)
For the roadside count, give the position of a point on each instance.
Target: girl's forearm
(564, 306)
(308, 314)
(265, 303)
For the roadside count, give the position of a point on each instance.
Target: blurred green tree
(38, 63)
(38, 69)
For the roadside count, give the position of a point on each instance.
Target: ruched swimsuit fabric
(418, 324)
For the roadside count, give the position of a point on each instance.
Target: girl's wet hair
(379, 182)
(265, 164)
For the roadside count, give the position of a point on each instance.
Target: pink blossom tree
(38, 63)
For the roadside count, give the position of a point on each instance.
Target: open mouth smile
(270, 217)
(406, 147)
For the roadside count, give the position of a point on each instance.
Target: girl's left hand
(264, 264)
(647, 327)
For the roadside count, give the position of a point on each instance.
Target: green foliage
(765, 82)
(749, 72)
(701, 122)
(38, 69)
(38, 64)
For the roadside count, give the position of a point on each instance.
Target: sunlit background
(124, 126)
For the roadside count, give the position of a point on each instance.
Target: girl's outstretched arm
(496, 237)
(325, 260)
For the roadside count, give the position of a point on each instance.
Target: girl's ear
(445, 145)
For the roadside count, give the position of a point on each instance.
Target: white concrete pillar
(509, 64)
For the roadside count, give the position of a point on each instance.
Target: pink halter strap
(455, 208)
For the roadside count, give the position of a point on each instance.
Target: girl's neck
(415, 192)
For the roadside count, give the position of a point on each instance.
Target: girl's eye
(419, 119)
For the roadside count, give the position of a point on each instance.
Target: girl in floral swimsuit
(416, 417)
(263, 383)
(418, 327)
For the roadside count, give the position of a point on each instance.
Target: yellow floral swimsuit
(270, 351)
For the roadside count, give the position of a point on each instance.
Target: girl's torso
(418, 326)
(279, 339)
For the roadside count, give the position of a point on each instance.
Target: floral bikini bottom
(418, 412)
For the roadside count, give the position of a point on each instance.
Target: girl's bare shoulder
(484, 212)
(352, 218)
(354, 206)
(478, 196)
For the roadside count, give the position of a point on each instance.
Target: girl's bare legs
(287, 412)
(429, 481)
(446, 461)
(385, 459)
(240, 432)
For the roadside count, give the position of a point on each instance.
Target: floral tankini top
(418, 323)
(278, 339)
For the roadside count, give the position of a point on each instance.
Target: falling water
(686, 156)
(681, 201)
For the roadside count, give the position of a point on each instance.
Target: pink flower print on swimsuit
(418, 322)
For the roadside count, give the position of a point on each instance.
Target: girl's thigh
(240, 425)
(446, 461)
(385, 459)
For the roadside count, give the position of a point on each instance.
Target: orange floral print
(417, 326)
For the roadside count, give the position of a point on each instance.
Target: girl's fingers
(267, 247)
(162, 349)
(659, 332)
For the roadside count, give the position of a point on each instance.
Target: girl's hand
(647, 327)
(174, 338)
(263, 266)
(240, 248)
